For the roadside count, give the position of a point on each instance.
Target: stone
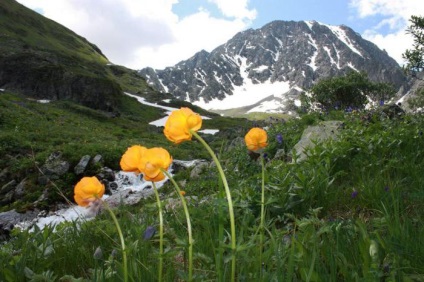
(198, 169)
(3, 174)
(312, 135)
(237, 142)
(20, 190)
(97, 160)
(106, 174)
(6, 188)
(82, 165)
(55, 165)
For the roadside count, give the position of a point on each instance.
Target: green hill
(44, 60)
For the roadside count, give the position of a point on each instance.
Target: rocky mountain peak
(266, 69)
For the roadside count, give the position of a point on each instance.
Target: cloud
(395, 15)
(140, 33)
(235, 8)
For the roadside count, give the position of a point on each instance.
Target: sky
(161, 33)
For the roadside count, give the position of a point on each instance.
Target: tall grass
(352, 211)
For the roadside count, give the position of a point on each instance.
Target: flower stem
(261, 226)
(189, 230)
(229, 200)
(160, 232)
(121, 237)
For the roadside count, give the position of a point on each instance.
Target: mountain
(41, 59)
(265, 70)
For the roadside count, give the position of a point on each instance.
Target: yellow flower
(179, 123)
(132, 158)
(87, 190)
(256, 139)
(152, 162)
(182, 193)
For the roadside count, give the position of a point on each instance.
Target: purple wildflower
(354, 194)
(387, 188)
(279, 138)
(149, 233)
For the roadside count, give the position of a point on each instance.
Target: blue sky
(160, 33)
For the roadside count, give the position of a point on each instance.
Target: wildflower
(180, 122)
(131, 158)
(387, 188)
(279, 138)
(182, 193)
(152, 163)
(354, 194)
(149, 233)
(88, 190)
(256, 139)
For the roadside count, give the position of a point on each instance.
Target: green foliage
(352, 211)
(350, 90)
(418, 100)
(415, 57)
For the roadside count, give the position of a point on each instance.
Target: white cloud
(235, 8)
(140, 33)
(395, 14)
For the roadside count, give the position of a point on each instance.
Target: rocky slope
(267, 68)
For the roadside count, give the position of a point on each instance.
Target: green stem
(121, 237)
(229, 200)
(160, 232)
(261, 236)
(189, 230)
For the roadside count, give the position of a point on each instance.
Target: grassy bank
(353, 211)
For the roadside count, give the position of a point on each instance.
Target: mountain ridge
(286, 55)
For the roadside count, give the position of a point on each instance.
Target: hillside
(43, 60)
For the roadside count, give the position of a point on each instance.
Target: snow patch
(352, 66)
(260, 68)
(169, 110)
(341, 35)
(309, 24)
(209, 131)
(312, 63)
(333, 62)
(43, 101)
(246, 94)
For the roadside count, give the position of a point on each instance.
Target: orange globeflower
(256, 139)
(179, 123)
(131, 158)
(152, 162)
(87, 190)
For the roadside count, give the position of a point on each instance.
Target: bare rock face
(299, 53)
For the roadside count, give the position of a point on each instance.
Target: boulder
(316, 134)
(198, 169)
(55, 165)
(82, 165)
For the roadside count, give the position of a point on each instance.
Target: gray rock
(199, 169)
(82, 165)
(106, 174)
(13, 217)
(316, 134)
(20, 189)
(55, 165)
(97, 160)
(3, 174)
(6, 188)
(280, 154)
(237, 142)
